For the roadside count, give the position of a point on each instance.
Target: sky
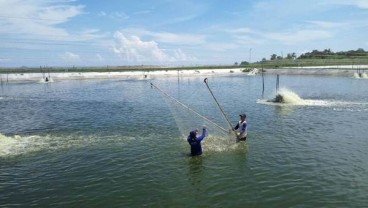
(66, 33)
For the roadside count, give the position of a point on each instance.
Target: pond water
(117, 143)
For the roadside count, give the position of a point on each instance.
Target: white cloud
(298, 36)
(245, 36)
(99, 57)
(41, 20)
(179, 55)
(221, 46)
(329, 25)
(102, 14)
(240, 30)
(142, 12)
(36, 16)
(166, 37)
(262, 6)
(56, 14)
(362, 4)
(285, 8)
(114, 15)
(3, 60)
(133, 49)
(179, 38)
(120, 15)
(70, 57)
(249, 40)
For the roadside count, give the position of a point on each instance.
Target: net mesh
(195, 109)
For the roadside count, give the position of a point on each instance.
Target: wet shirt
(195, 144)
(242, 126)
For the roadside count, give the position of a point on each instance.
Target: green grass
(311, 62)
(268, 64)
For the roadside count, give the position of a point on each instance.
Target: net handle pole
(263, 85)
(222, 111)
(180, 103)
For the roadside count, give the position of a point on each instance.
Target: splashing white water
(356, 76)
(20, 145)
(17, 145)
(219, 144)
(286, 97)
(360, 75)
(43, 80)
(291, 97)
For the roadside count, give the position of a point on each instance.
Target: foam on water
(356, 75)
(360, 75)
(309, 102)
(17, 145)
(219, 144)
(253, 72)
(290, 97)
(20, 145)
(43, 80)
(286, 97)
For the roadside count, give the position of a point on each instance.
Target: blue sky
(174, 33)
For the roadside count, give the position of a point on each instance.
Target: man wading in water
(195, 142)
(241, 128)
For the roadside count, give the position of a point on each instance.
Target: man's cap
(193, 133)
(243, 115)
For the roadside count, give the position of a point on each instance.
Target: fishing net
(195, 109)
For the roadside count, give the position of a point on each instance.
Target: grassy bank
(274, 64)
(312, 62)
(109, 69)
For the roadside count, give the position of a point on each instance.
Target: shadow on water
(195, 169)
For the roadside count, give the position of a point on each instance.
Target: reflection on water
(195, 171)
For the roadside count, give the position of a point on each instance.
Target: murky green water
(115, 143)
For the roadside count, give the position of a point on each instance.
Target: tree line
(328, 54)
(316, 54)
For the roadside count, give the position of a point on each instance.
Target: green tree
(293, 55)
(273, 57)
(360, 50)
(289, 56)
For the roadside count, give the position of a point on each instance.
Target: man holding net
(241, 128)
(195, 142)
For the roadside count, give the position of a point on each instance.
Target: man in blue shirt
(195, 142)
